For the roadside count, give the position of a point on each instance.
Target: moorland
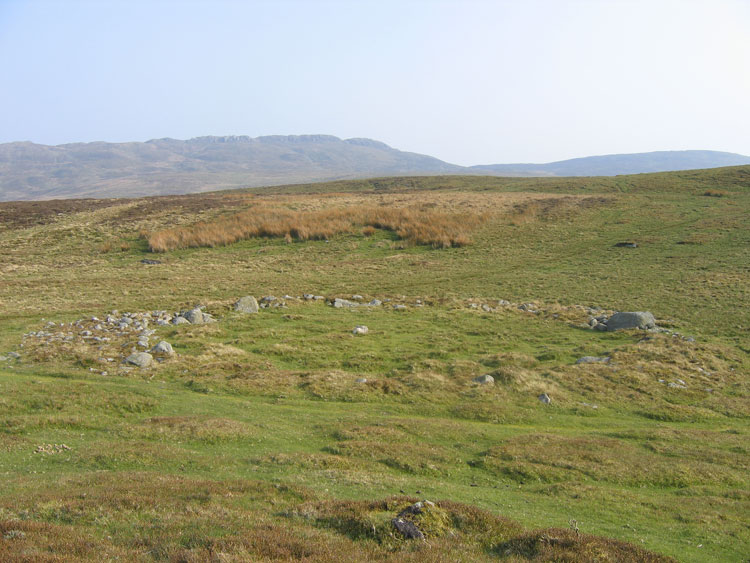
(283, 435)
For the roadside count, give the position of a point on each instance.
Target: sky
(469, 82)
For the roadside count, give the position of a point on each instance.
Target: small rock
(544, 398)
(140, 359)
(357, 298)
(484, 380)
(593, 360)
(247, 304)
(486, 308)
(150, 261)
(308, 297)
(360, 329)
(626, 245)
(14, 355)
(375, 303)
(361, 380)
(399, 307)
(163, 348)
(180, 320)
(344, 303)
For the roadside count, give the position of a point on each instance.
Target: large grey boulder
(140, 359)
(247, 304)
(638, 319)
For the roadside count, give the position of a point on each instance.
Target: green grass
(256, 441)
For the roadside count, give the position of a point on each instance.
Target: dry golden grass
(414, 225)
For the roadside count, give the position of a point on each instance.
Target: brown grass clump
(715, 193)
(416, 225)
(568, 546)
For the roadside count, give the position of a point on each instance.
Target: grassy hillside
(282, 435)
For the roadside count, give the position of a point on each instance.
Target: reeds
(412, 224)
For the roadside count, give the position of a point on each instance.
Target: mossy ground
(256, 440)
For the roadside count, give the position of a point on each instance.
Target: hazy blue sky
(467, 81)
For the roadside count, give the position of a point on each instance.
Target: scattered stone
(375, 303)
(308, 297)
(344, 303)
(593, 360)
(268, 299)
(638, 319)
(4, 358)
(319, 298)
(180, 320)
(544, 398)
(360, 329)
(51, 448)
(163, 348)
(150, 261)
(407, 529)
(142, 342)
(677, 385)
(14, 355)
(486, 379)
(247, 304)
(361, 380)
(140, 359)
(399, 307)
(357, 298)
(626, 245)
(486, 308)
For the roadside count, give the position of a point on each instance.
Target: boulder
(163, 348)
(544, 398)
(638, 319)
(194, 316)
(344, 303)
(407, 528)
(140, 359)
(360, 329)
(485, 380)
(180, 320)
(247, 304)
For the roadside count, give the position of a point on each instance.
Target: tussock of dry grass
(416, 225)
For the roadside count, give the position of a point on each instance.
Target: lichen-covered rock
(485, 380)
(194, 316)
(163, 348)
(638, 319)
(247, 304)
(140, 359)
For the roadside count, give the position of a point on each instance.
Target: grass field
(281, 435)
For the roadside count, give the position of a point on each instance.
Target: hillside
(30, 171)
(486, 405)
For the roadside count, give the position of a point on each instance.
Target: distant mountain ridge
(616, 164)
(30, 171)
